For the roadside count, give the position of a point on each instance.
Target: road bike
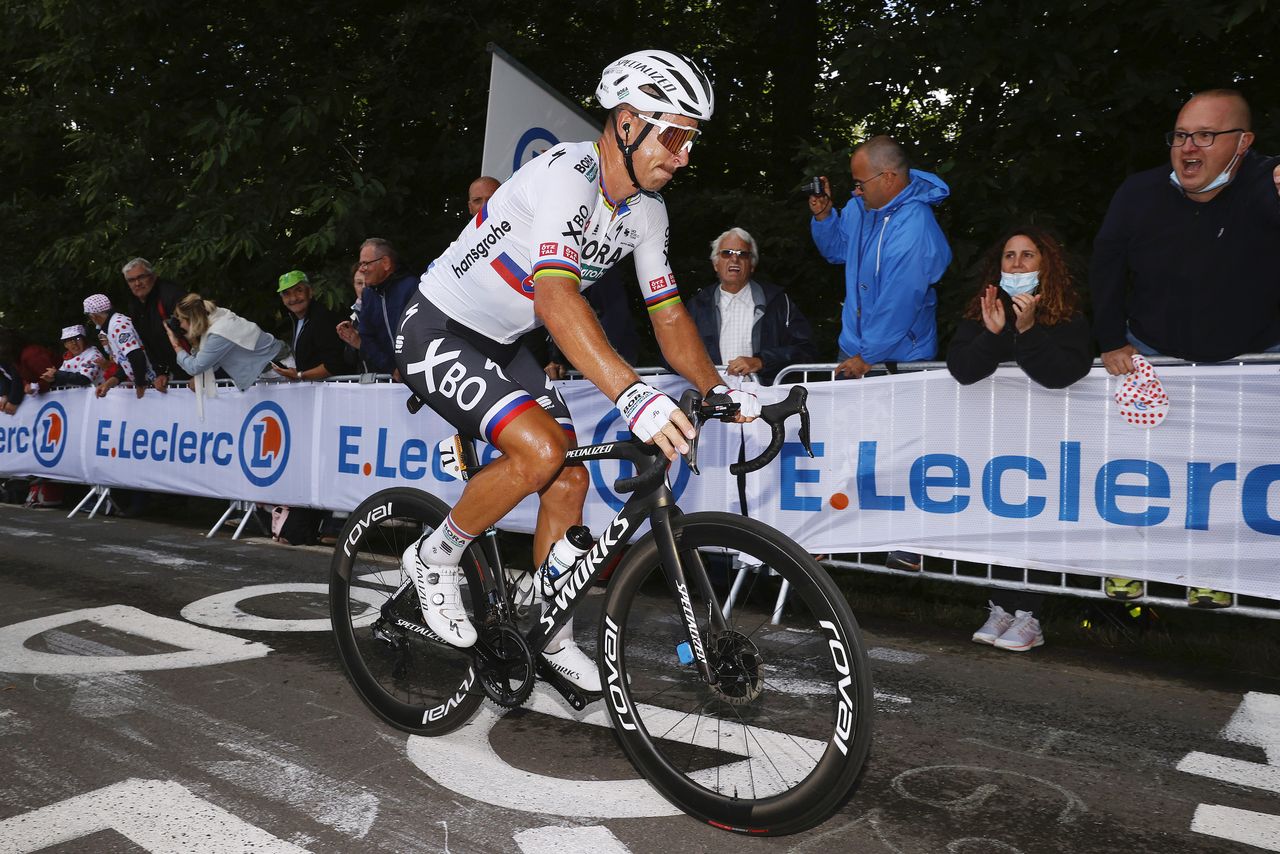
(750, 726)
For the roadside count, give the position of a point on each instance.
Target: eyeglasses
(674, 138)
(1199, 138)
(733, 253)
(141, 277)
(365, 264)
(859, 186)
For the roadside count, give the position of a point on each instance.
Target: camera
(174, 326)
(814, 187)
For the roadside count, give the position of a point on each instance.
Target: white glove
(748, 403)
(645, 409)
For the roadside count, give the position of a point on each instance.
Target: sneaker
(1204, 597)
(1123, 589)
(576, 666)
(903, 560)
(1023, 633)
(440, 598)
(997, 624)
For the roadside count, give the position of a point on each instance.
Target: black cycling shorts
(471, 381)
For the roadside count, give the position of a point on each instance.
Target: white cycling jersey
(552, 218)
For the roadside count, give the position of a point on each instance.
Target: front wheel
(412, 683)
(777, 744)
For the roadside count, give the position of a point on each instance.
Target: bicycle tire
(792, 713)
(410, 682)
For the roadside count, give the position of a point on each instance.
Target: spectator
(480, 191)
(12, 388)
(220, 339)
(152, 303)
(1187, 263)
(312, 328)
(1172, 242)
(120, 337)
(386, 292)
(82, 364)
(893, 252)
(748, 326)
(1033, 317)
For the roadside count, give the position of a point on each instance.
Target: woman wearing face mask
(1032, 317)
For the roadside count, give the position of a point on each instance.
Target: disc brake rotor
(738, 666)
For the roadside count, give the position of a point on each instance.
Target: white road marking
(222, 610)
(891, 698)
(465, 762)
(26, 532)
(569, 840)
(199, 647)
(1252, 828)
(339, 804)
(896, 656)
(1238, 771)
(1257, 722)
(158, 816)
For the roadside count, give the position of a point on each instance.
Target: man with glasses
(1187, 262)
(152, 303)
(552, 230)
(386, 292)
(893, 252)
(749, 326)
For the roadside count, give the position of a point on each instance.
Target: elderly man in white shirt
(750, 327)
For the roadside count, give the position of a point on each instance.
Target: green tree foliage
(230, 142)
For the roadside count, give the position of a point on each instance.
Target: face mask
(1019, 283)
(1224, 177)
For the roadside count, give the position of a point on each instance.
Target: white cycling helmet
(657, 81)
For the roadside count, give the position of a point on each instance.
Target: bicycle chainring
(505, 665)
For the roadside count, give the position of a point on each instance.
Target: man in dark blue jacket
(748, 326)
(386, 292)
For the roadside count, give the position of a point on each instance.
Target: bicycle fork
(673, 568)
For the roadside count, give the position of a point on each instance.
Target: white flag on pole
(526, 117)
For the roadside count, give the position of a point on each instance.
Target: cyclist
(546, 235)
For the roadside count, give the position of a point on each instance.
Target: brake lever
(690, 403)
(804, 430)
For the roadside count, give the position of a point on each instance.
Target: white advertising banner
(1002, 471)
(526, 117)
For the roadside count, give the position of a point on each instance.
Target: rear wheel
(777, 744)
(412, 683)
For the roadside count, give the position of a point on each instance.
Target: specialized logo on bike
(51, 434)
(264, 444)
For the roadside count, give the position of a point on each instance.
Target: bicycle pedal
(576, 698)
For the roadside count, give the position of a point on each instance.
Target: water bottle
(564, 555)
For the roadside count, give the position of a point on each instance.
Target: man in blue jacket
(387, 289)
(893, 252)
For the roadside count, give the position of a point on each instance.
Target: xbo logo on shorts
(612, 421)
(533, 142)
(264, 444)
(50, 438)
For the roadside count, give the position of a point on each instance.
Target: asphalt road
(150, 702)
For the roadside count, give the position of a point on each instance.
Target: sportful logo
(51, 434)
(264, 444)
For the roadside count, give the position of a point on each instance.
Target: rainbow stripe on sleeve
(556, 267)
(658, 302)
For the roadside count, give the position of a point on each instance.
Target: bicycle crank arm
(576, 698)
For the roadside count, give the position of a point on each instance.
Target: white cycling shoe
(576, 666)
(440, 598)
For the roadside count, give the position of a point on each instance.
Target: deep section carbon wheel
(776, 745)
(411, 682)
